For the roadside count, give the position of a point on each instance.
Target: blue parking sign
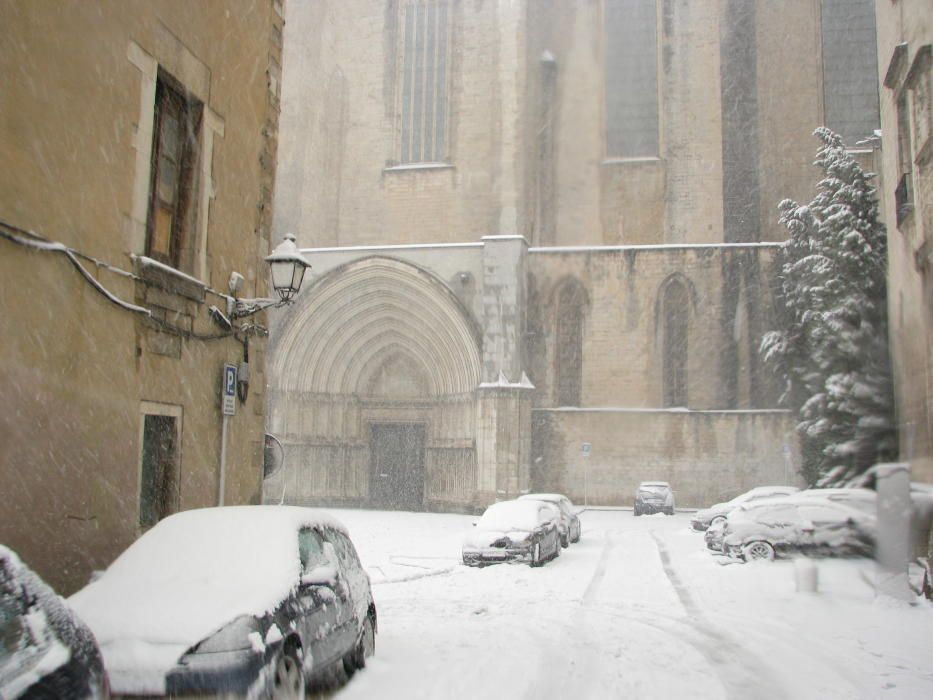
(229, 390)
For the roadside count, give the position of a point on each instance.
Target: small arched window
(571, 303)
(675, 316)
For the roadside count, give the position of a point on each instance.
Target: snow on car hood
(186, 578)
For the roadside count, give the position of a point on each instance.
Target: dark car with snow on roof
(569, 525)
(251, 601)
(46, 651)
(654, 497)
(526, 531)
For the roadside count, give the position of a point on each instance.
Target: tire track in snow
(553, 673)
(744, 675)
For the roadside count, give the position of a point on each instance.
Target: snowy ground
(637, 609)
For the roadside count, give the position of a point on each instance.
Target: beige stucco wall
(910, 288)
(77, 368)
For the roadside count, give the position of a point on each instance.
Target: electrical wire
(34, 241)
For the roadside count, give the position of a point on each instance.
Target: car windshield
(509, 516)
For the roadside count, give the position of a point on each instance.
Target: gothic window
(571, 303)
(850, 68)
(675, 315)
(424, 62)
(174, 157)
(631, 78)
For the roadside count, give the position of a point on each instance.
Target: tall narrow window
(174, 158)
(571, 303)
(158, 494)
(903, 193)
(850, 68)
(631, 78)
(675, 315)
(423, 84)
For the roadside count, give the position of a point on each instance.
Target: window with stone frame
(631, 78)
(571, 305)
(172, 200)
(919, 82)
(675, 320)
(424, 51)
(903, 193)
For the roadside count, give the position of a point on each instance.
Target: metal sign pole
(223, 461)
(228, 408)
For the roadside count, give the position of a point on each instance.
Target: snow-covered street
(637, 609)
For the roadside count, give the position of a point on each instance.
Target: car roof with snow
(196, 571)
(656, 484)
(517, 515)
(550, 497)
(751, 510)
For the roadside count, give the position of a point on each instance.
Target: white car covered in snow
(237, 601)
(716, 513)
(570, 527)
(526, 531)
(798, 525)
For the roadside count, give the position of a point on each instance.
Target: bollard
(806, 575)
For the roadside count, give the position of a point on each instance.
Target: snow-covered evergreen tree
(832, 350)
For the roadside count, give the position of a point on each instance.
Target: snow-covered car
(714, 534)
(718, 512)
(46, 651)
(808, 526)
(243, 601)
(569, 525)
(514, 531)
(861, 499)
(654, 497)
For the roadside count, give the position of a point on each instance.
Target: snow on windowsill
(145, 262)
(635, 160)
(405, 167)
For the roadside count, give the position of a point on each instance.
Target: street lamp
(288, 267)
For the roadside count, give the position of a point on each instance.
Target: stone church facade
(543, 237)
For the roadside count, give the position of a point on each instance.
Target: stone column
(503, 407)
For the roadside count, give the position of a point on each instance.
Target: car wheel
(536, 555)
(558, 545)
(717, 519)
(758, 551)
(365, 648)
(565, 541)
(288, 680)
(637, 512)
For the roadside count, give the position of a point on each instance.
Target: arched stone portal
(373, 391)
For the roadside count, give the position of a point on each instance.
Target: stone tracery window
(423, 85)
(571, 305)
(675, 317)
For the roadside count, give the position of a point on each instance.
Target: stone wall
(707, 456)
(730, 302)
